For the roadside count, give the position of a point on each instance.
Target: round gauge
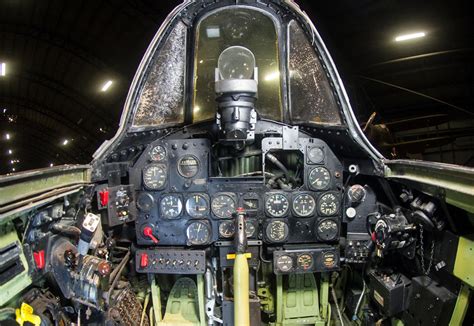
(188, 166)
(227, 229)
(198, 233)
(304, 205)
(277, 205)
(305, 261)
(277, 231)
(197, 206)
(315, 155)
(158, 153)
(319, 178)
(328, 204)
(171, 206)
(145, 202)
(154, 176)
(223, 206)
(327, 230)
(284, 263)
(250, 229)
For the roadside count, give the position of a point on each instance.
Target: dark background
(59, 53)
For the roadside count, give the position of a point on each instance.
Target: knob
(148, 232)
(144, 260)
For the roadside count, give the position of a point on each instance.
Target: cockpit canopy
(177, 80)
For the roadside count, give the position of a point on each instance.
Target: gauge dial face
(315, 155)
(145, 202)
(319, 178)
(197, 206)
(305, 261)
(223, 206)
(250, 229)
(277, 205)
(250, 204)
(304, 205)
(277, 231)
(154, 176)
(284, 263)
(198, 233)
(158, 153)
(328, 204)
(188, 166)
(356, 193)
(227, 229)
(171, 206)
(327, 230)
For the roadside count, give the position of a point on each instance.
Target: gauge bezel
(150, 155)
(148, 166)
(338, 198)
(286, 227)
(318, 223)
(206, 198)
(268, 196)
(178, 166)
(232, 196)
(295, 212)
(161, 209)
(309, 160)
(329, 183)
(255, 228)
(224, 222)
(206, 225)
(143, 195)
(277, 260)
(298, 264)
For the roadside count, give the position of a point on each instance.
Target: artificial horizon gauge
(227, 229)
(154, 176)
(197, 206)
(328, 204)
(304, 205)
(223, 206)
(171, 206)
(315, 155)
(158, 153)
(188, 166)
(327, 230)
(250, 203)
(277, 205)
(305, 261)
(198, 233)
(284, 263)
(277, 231)
(319, 178)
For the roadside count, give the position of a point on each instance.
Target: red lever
(144, 260)
(39, 259)
(148, 232)
(104, 197)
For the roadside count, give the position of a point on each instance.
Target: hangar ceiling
(58, 55)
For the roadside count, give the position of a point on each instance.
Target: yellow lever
(25, 314)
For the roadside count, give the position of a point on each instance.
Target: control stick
(241, 272)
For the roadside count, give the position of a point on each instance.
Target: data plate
(170, 261)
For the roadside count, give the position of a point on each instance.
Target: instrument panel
(183, 205)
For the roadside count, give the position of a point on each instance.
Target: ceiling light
(7, 136)
(10, 152)
(196, 109)
(65, 142)
(106, 86)
(51, 164)
(3, 69)
(411, 36)
(13, 169)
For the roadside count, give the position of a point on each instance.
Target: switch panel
(170, 261)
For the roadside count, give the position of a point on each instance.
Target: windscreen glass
(243, 27)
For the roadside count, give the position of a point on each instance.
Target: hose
(333, 293)
(354, 317)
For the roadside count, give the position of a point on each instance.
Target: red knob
(148, 232)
